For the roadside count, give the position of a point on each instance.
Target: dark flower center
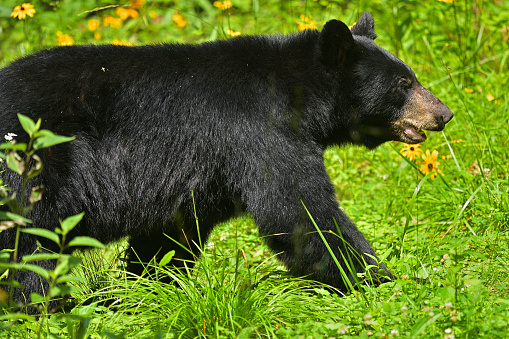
(430, 166)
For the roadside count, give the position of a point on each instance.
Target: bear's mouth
(413, 134)
(408, 132)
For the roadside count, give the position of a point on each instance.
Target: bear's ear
(365, 26)
(334, 44)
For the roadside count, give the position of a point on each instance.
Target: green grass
(453, 230)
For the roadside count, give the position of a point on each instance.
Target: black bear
(241, 125)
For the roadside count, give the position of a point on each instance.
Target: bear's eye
(404, 83)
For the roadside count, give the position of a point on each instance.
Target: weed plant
(438, 211)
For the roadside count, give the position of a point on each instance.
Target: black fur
(241, 123)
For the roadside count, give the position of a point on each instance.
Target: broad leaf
(69, 223)
(37, 298)
(13, 216)
(41, 232)
(68, 278)
(167, 258)
(63, 290)
(36, 169)
(28, 124)
(14, 146)
(85, 241)
(15, 163)
(41, 256)
(49, 140)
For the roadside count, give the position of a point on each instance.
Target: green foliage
(452, 230)
(58, 278)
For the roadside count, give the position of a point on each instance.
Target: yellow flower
(490, 97)
(97, 36)
(125, 13)
(232, 33)
(306, 22)
(430, 164)
(120, 43)
(64, 39)
(447, 1)
(93, 24)
(411, 152)
(223, 5)
(113, 22)
(22, 11)
(136, 3)
(179, 20)
(469, 90)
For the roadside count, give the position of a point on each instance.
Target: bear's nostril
(446, 115)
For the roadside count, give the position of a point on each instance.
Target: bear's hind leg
(147, 251)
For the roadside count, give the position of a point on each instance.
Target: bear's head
(380, 95)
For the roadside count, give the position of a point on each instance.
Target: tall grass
(452, 230)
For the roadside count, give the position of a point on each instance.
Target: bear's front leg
(280, 207)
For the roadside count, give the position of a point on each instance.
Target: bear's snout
(422, 111)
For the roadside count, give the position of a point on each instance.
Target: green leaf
(65, 264)
(41, 256)
(14, 146)
(63, 290)
(69, 223)
(12, 283)
(37, 269)
(37, 298)
(85, 241)
(167, 258)
(69, 278)
(62, 267)
(41, 232)
(15, 163)
(36, 194)
(49, 140)
(43, 133)
(27, 124)
(36, 169)
(13, 216)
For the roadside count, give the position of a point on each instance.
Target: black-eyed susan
(430, 164)
(22, 11)
(411, 152)
(223, 5)
(64, 39)
(306, 22)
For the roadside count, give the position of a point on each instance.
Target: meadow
(439, 210)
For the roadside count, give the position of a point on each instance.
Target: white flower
(10, 136)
